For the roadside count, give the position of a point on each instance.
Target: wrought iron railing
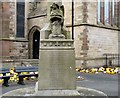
(111, 60)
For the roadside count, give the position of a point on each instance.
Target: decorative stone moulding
(56, 43)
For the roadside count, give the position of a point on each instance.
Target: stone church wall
(37, 22)
(101, 41)
(19, 50)
(91, 40)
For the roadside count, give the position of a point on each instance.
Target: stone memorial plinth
(57, 56)
(57, 64)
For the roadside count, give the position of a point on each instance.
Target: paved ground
(14, 86)
(103, 82)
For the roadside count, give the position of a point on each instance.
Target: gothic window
(20, 18)
(108, 12)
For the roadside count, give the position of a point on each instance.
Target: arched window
(20, 18)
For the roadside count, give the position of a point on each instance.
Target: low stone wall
(17, 62)
(90, 62)
(93, 62)
(97, 62)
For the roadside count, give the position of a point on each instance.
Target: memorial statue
(55, 28)
(56, 21)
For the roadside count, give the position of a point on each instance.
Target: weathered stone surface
(106, 41)
(37, 22)
(57, 65)
(19, 50)
(57, 58)
(38, 18)
(57, 93)
(80, 91)
(67, 12)
(5, 46)
(91, 92)
(93, 48)
(78, 10)
(92, 9)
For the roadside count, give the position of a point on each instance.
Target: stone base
(57, 93)
(80, 91)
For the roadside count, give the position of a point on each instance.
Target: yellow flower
(25, 78)
(11, 71)
(17, 79)
(112, 72)
(1, 74)
(93, 70)
(1, 80)
(108, 70)
(83, 70)
(11, 78)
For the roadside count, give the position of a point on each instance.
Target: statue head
(55, 28)
(56, 13)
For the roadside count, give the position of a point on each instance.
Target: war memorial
(57, 61)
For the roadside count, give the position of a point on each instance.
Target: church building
(93, 24)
